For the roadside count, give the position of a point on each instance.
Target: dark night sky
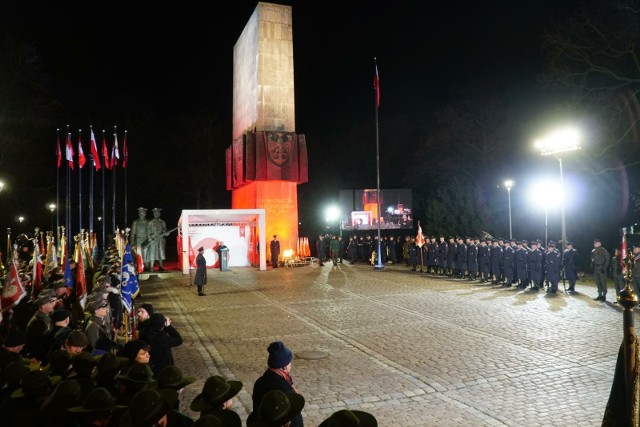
(108, 58)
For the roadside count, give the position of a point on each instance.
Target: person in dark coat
(276, 377)
(275, 251)
(569, 263)
(201, 271)
(552, 267)
(534, 267)
(472, 260)
(320, 249)
(39, 323)
(162, 337)
(451, 257)
(461, 259)
(522, 259)
(508, 262)
(443, 250)
(496, 260)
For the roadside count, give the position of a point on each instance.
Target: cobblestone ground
(412, 349)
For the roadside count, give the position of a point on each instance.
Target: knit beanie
(148, 308)
(279, 355)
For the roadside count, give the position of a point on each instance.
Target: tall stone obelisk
(267, 159)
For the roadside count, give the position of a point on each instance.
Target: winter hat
(279, 355)
(77, 338)
(148, 308)
(60, 315)
(15, 338)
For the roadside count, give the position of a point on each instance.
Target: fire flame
(287, 253)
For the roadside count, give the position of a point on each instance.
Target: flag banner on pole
(420, 237)
(13, 290)
(129, 284)
(58, 152)
(81, 158)
(376, 86)
(115, 153)
(81, 280)
(68, 274)
(94, 152)
(105, 153)
(36, 278)
(125, 151)
(69, 151)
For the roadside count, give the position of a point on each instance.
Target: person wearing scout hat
(276, 377)
(147, 408)
(11, 348)
(35, 387)
(172, 377)
(217, 393)
(350, 418)
(278, 408)
(39, 323)
(96, 409)
(221, 418)
(108, 367)
(136, 378)
(140, 233)
(66, 394)
(201, 271)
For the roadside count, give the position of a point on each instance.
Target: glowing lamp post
(556, 143)
(1, 186)
(548, 195)
(509, 184)
(331, 216)
(52, 208)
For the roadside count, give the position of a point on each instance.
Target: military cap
(142, 209)
(551, 245)
(525, 241)
(518, 242)
(156, 210)
(597, 241)
(60, 315)
(513, 241)
(569, 243)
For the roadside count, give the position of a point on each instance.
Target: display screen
(359, 209)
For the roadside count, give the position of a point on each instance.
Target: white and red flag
(115, 153)
(69, 151)
(94, 152)
(105, 152)
(13, 290)
(81, 158)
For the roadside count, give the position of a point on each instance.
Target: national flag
(9, 251)
(129, 283)
(81, 280)
(68, 274)
(115, 153)
(51, 260)
(105, 153)
(125, 151)
(81, 158)
(624, 394)
(58, 152)
(13, 290)
(419, 237)
(376, 86)
(94, 152)
(36, 279)
(69, 151)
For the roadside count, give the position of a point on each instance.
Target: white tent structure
(239, 229)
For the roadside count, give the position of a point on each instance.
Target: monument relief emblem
(279, 147)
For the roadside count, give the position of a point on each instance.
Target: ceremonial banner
(13, 290)
(129, 286)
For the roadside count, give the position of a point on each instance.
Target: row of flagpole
(108, 162)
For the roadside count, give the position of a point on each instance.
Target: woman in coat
(201, 271)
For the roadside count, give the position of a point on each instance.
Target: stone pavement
(412, 349)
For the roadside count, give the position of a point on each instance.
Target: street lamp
(548, 194)
(52, 208)
(20, 219)
(331, 215)
(1, 185)
(556, 143)
(509, 183)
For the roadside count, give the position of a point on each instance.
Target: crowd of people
(508, 262)
(67, 361)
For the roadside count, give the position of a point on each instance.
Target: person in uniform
(334, 250)
(320, 249)
(451, 256)
(461, 259)
(496, 257)
(553, 261)
(522, 258)
(484, 262)
(534, 267)
(341, 250)
(472, 260)
(413, 254)
(274, 247)
(140, 233)
(352, 250)
(569, 263)
(508, 262)
(157, 240)
(600, 263)
(39, 324)
(201, 271)
(616, 272)
(443, 250)
(361, 249)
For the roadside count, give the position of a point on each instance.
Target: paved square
(412, 349)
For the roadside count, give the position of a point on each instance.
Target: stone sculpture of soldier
(140, 234)
(157, 241)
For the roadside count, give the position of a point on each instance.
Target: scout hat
(276, 409)
(348, 418)
(215, 392)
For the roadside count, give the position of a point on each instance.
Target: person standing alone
(275, 251)
(201, 271)
(600, 261)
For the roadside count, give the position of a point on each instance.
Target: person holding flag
(420, 241)
(129, 286)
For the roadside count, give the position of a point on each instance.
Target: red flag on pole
(69, 151)
(376, 86)
(13, 290)
(81, 158)
(58, 152)
(115, 153)
(105, 152)
(125, 151)
(94, 152)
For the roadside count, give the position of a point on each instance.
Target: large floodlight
(560, 141)
(546, 194)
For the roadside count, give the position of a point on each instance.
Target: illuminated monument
(267, 159)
